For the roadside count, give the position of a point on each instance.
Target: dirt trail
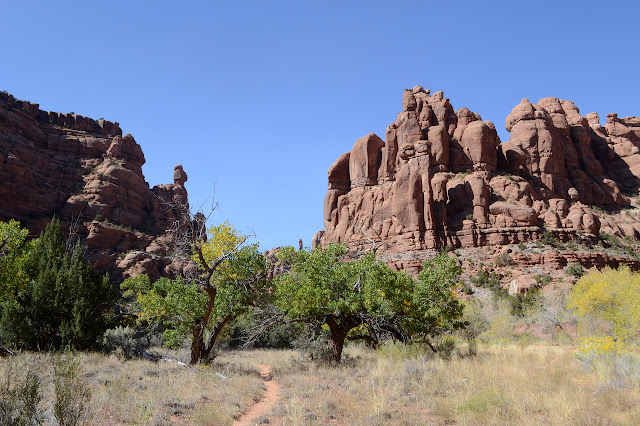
(267, 401)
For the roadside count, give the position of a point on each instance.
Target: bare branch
(73, 239)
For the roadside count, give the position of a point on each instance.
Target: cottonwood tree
(230, 279)
(611, 296)
(435, 309)
(13, 250)
(365, 296)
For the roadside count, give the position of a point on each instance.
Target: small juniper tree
(65, 302)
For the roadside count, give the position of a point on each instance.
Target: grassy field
(504, 384)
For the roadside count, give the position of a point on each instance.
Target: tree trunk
(207, 351)
(197, 342)
(336, 346)
(339, 331)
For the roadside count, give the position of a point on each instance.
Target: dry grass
(143, 392)
(516, 384)
(511, 384)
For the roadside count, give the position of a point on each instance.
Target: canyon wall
(89, 175)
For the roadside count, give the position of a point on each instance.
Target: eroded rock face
(443, 177)
(88, 174)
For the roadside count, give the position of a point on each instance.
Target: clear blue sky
(257, 98)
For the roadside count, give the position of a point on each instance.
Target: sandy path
(267, 401)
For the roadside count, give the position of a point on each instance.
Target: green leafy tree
(12, 254)
(436, 310)
(232, 279)
(364, 295)
(65, 302)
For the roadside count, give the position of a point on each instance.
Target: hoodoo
(443, 177)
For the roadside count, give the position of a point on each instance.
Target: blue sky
(256, 99)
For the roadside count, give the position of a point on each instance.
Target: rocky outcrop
(89, 175)
(443, 177)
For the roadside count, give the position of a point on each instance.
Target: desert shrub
(72, 394)
(594, 347)
(543, 279)
(316, 344)
(448, 249)
(500, 329)
(575, 269)
(503, 260)
(464, 174)
(609, 241)
(129, 340)
(20, 398)
(477, 324)
(281, 336)
(611, 360)
(547, 238)
(522, 305)
(488, 280)
(625, 370)
(445, 346)
(467, 289)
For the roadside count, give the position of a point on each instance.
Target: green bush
(448, 249)
(543, 279)
(66, 303)
(575, 269)
(549, 239)
(522, 304)
(467, 289)
(488, 280)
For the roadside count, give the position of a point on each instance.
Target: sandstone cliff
(89, 175)
(442, 177)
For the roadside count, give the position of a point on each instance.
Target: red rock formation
(443, 177)
(87, 173)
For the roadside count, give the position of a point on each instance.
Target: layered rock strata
(89, 175)
(443, 177)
